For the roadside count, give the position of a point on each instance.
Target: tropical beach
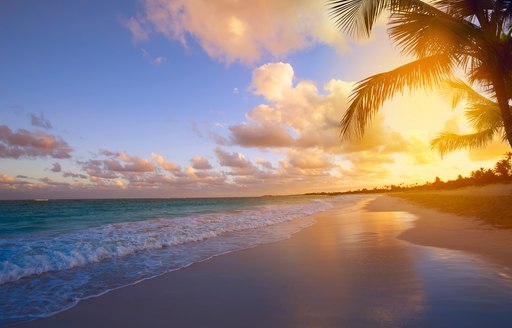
(271, 163)
(377, 261)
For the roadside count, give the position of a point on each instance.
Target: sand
(473, 228)
(347, 270)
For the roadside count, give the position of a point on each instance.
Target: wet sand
(347, 270)
(455, 219)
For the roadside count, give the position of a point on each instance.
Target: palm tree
(442, 36)
(482, 113)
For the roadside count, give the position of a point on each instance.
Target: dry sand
(475, 232)
(347, 270)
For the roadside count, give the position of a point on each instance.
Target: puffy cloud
(315, 159)
(23, 143)
(131, 164)
(297, 115)
(232, 160)
(264, 163)
(237, 162)
(239, 30)
(168, 166)
(116, 165)
(200, 163)
(40, 121)
(256, 134)
(56, 167)
(273, 80)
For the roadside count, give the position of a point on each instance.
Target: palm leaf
(424, 33)
(446, 142)
(370, 94)
(357, 17)
(485, 117)
(456, 90)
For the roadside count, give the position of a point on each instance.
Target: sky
(203, 98)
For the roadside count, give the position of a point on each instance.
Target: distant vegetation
(500, 173)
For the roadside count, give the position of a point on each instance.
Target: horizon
(157, 99)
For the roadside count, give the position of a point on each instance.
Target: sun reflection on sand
(364, 259)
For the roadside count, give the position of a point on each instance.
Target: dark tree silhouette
(443, 36)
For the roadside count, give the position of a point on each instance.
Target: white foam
(24, 256)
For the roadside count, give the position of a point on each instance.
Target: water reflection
(371, 278)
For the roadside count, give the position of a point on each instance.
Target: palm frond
(356, 17)
(456, 90)
(484, 117)
(432, 31)
(465, 8)
(370, 94)
(446, 142)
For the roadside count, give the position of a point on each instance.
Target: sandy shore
(347, 270)
(475, 232)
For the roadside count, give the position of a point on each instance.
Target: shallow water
(55, 253)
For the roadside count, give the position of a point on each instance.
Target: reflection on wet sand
(372, 274)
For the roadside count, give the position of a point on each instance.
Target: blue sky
(127, 81)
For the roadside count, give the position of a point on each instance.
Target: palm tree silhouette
(443, 36)
(482, 113)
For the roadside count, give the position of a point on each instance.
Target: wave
(27, 256)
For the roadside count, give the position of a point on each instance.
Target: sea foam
(33, 255)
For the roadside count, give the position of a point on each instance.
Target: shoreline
(436, 228)
(328, 274)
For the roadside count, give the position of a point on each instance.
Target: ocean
(54, 253)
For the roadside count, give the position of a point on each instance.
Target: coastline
(437, 228)
(347, 269)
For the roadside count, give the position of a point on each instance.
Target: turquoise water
(28, 216)
(54, 253)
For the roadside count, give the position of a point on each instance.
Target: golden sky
(207, 98)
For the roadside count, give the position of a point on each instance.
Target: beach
(379, 262)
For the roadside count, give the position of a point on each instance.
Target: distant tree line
(500, 173)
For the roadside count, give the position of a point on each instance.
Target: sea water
(54, 253)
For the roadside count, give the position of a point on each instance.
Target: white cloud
(242, 31)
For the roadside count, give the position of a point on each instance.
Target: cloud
(74, 175)
(297, 115)
(23, 143)
(159, 60)
(116, 165)
(264, 163)
(273, 80)
(56, 167)
(255, 134)
(156, 60)
(138, 27)
(200, 163)
(40, 121)
(314, 159)
(242, 31)
(232, 160)
(8, 181)
(131, 164)
(168, 166)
